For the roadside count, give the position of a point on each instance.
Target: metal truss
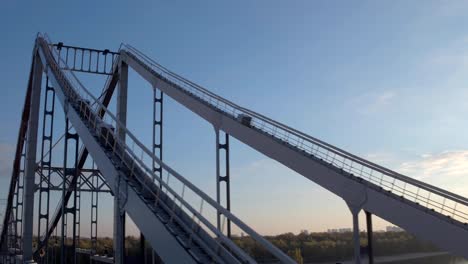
(84, 184)
(71, 180)
(86, 60)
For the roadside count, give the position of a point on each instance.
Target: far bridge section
(424, 210)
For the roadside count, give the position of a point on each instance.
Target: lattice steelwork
(94, 211)
(223, 176)
(70, 166)
(45, 168)
(18, 207)
(157, 130)
(85, 60)
(77, 201)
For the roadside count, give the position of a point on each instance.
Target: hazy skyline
(383, 80)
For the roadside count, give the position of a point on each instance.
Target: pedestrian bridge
(180, 222)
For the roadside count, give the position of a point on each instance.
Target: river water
(433, 260)
(412, 258)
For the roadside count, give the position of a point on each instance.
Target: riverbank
(410, 258)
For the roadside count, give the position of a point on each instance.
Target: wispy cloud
(447, 61)
(373, 102)
(385, 98)
(448, 169)
(453, 59)
(452, 8)
(382, 158)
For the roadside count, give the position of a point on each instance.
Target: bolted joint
(71, 136)
(69, 210)
(223, 178)
(223, 146)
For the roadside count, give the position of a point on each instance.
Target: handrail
(79, 92)
(337, 157)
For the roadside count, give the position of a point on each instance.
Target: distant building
(393, 229)
(305, 232)
(339, 230)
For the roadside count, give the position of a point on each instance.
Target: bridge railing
(451, 205)
(185, 195)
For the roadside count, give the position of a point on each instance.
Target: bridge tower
(96, 156)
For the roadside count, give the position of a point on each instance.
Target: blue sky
(382, 79)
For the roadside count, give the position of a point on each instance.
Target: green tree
(296, 255)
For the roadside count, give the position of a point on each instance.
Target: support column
(77, 220)
(370, 248)
(94, 211)
(119, 213)
(46, 168)
(30, 166)
(142, 249)
(70, 171)
(356, 239)
(119, 233)
(157, 149)
(223, 178)
(122, 93)
(157, 130)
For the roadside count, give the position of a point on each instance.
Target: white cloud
(447, 170)
(447, 164)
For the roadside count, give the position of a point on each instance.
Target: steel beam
(30, 167)
(122, 93)
(119, 213)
